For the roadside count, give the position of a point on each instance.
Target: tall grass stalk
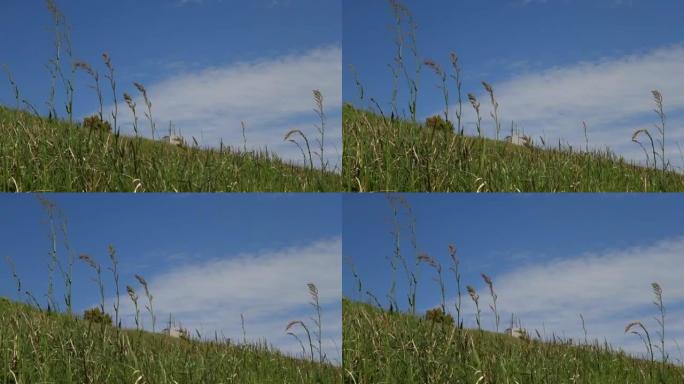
(82, 65)
(13, 85)
(115, 274)
(300, 323)
(53, 260)
(244, 331)
(442, 86)
(149, 296)
(134, 299)
(90, 261)
(112, 83)
(67, 274)
(405, 37)
(313, 292)
(633, 328)
(658, 99)
(658, 302)
(131, 105)
(148, 104)
(476, 106)
(62, 41)
(455, 262)
(318, 101)
(396, 256)
(476, 299)
(455, 64)
(433, 263)
(397, 202)
(288, 137)
(635, 139)
(490, 285)
(15, 275)
(495, 107)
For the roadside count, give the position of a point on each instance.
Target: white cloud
(268, 288)
(271, 96)
(610, 289)
(612, 95)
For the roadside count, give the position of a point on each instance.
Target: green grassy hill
(384, 347)
(385, 155)
(41, 155)
(40, 347)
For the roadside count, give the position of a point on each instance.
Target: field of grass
(384, 347)
(384, 343)
(381, 154)
(37, 154)
(44, 341)
(385, 152)
(41, 347)
(58, 153)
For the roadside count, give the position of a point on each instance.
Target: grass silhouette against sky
(208, 259)
(552, 64)
(551, 258)
(207, 65)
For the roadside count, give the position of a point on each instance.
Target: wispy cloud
(268, 288)
(271, 96)
(610, 289)
(612, 95)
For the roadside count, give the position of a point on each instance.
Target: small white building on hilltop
(174, 140)
(518, 333)
(177, 332)
(519, 140)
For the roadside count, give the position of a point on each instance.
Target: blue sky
(207, 64)
(208, 258)
(551, 257)
(552, 63)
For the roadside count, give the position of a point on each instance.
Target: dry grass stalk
(149, 296)
(110, 76)
(490, 285)
(96, 266)
(82, 65)
(148, 104)
(292, 324)
(495, 106)
(131, 104)
(455, 262)
(455, 64)
(134, 299)
(318, 101)
(313, 292)
(476, 299)
(293, 132)
(476, 107)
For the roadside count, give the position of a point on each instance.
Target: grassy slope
(38, 155)
(400, 156)
(40, 348)
(383, 347)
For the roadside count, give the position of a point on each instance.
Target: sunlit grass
(41, 155)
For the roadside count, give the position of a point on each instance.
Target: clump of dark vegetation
(436, 315)
(437, 123)
(96, 124)
(95, 315)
